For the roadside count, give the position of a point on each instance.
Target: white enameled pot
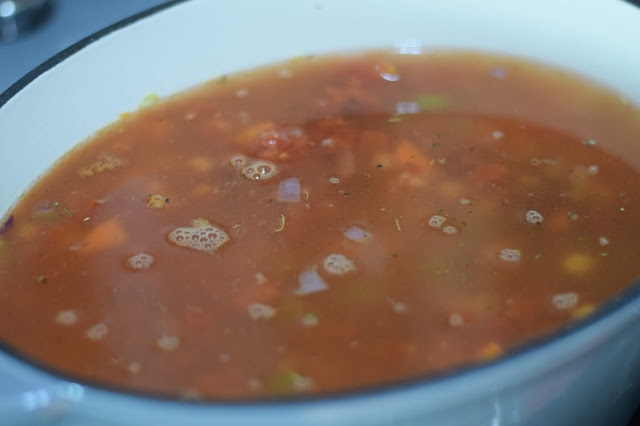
(585, 374)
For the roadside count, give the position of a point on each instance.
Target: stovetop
(60, 23)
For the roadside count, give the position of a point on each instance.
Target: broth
(326, 224)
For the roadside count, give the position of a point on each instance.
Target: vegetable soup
(325, 224)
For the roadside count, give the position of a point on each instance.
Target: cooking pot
(586, 373)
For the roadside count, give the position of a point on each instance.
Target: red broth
(326, 224)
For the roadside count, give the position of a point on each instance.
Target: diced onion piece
(603, 241)
(289, 191)
(407, 108)
(497, 135)
(455, 320)
(510, 255)
(261, 311)
(168, 343)
(565, 300)
(358, 235)
(310, 282)
(339, 264)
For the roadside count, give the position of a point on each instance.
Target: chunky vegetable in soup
(326, 224)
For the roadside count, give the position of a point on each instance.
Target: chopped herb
(282, 221)
(42, 279)
(621, 209)
(306, 195)
(67, 212)
(398, 224)
(537, 256)
(431, 102)
(382, 209)
(309, 319)
(56, 204)
(463, 222)
(223, 79)
(434, 146)
(394, 119)
(495, 273)
(440, 210)
(603, 254)
(432, 162)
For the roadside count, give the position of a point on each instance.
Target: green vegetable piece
(394, 119)
(286, 381)
(432, 102)
(148, 100)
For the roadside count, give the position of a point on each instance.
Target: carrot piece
(105, 236)
(252, 133)
(490, 172)
(408, 153)
(490, 351)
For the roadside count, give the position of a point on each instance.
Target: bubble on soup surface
(202, 236)
(565, 300)
(168, 343)
(259, 170)
(339, 264)
(509, 255)
(436, 221)
(97, 331)
(238, 161)
(533, 216)
(141, 261)
(67, 317)
(261, 311)
(449, 230)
